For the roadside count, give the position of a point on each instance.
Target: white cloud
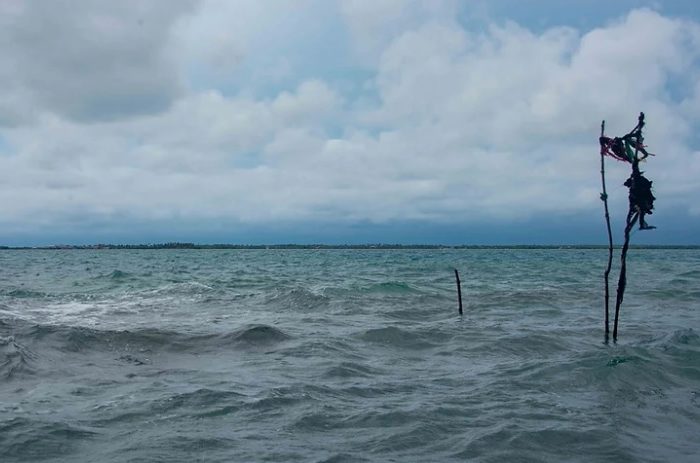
(374, 24)
(497, 123)
(524, 108)
(241, 45)
(312, 100)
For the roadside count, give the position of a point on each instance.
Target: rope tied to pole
(627, 147)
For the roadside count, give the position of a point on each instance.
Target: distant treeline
(176, 245)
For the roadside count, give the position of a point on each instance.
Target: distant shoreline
(329, 246)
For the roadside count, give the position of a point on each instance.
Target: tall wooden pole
(622, 282)
(604, 197)
(632, 215)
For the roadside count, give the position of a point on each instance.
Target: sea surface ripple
(346, 356)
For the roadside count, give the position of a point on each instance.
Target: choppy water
(345, 356)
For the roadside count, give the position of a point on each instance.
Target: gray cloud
(88, 60)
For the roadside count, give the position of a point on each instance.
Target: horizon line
(188, 245)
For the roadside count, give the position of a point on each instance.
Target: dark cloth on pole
(640, 196)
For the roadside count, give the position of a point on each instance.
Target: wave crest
(84, 340)
(257, 335)
(15, 358)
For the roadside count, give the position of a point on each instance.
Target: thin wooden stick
(632, 216)
(459, 291)
(604, 197)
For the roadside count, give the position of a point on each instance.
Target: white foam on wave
(160, 304)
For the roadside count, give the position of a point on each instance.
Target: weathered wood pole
(632, 216)
(604, 197)
(459, 291)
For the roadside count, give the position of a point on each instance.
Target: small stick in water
(459, 291)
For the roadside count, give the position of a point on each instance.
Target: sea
(355, 355)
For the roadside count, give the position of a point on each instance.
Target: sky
(342, 121)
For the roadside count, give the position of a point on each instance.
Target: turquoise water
(346, 356)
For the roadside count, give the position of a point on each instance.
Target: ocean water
(346, 356)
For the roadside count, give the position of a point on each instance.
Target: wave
(682, 349)
(15, 358)
(300, 299)
(34, 440)
(351, 370)
(116, 275)
(309, 347)
(81, 339)
(180, 288)
(529, 345)
(344, 458)
(391, 287)
(256, 335)
(396, 337)
(686, 336)
(690, 274)
(199, 399)
(21, 293)
(85, 340)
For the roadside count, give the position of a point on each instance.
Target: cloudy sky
(410, 121)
